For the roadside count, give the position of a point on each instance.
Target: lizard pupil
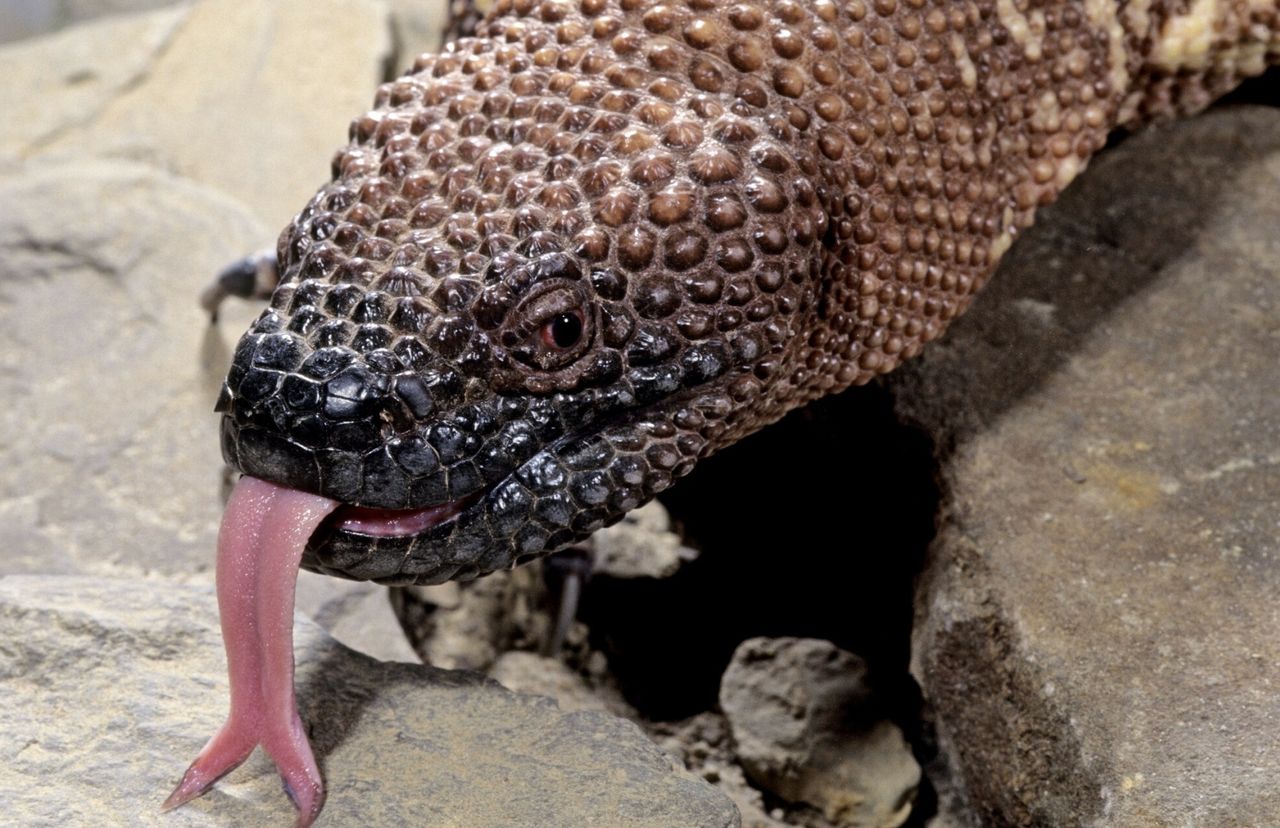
(566, 330)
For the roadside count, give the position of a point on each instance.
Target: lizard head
(529, 300)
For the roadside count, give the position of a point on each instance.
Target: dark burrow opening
(814, 527)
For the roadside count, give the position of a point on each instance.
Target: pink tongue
(264, 532)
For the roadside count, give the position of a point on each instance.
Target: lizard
(563, 260)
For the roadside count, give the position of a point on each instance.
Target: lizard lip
(397, 523)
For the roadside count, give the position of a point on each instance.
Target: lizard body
(731, 210)
(564, 260)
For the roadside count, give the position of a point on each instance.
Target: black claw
(573, 568)
(254, 276)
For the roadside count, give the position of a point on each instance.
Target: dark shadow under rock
(784, 552)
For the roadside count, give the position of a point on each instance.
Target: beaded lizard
(565, 259)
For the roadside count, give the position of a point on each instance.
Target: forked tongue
(264, 532)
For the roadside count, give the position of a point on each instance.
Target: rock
(112, 464)
(417, 27)
(216, 91)
(26, 18)
(110, 687)
(471, 633)
(538, 675)
(469, 626)
(443, 596)
(57, 84)
(357, 614)
(160, 143)
(641, 545)
(703, 745)
(1098, 627)
(801, 714)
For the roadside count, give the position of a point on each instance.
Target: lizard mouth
(397, 523)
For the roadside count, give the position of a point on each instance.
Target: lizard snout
(331, 420)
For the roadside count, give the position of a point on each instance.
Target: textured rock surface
(111, 461)
(26, 18)
(467, 628)
(805, 729)
(55, 85)
(641, 545)
(106, 684)
(1099, 630)
(111, 222)
(241, 109)
(417, 27)
(356, 613)
(704, 744)
(542, 676)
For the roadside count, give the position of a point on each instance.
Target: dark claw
(253, 277)
(572, 567)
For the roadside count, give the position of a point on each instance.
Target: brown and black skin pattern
(746, 206)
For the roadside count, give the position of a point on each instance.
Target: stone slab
(252, 98)
(111, 687)
(1099, 629)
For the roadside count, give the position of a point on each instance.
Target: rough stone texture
(542, 676)
(1099, 625)
(54, 85)
(480, 620)
(112, 460)
(704, 745)
(356, 613)
(107, 684)
(641, 545)
(417, 27)
(242, 108)
(26, 18)
(110, 449)
(805, 728)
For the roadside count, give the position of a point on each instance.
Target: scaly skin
(741, 207)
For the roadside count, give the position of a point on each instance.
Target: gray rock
(356, 613)
(138, 156)
(703, 745)
(417, 27)
(1098, 627)
(26, 18)
(641, 545)
(798, 709)
(59, 83)
(538, 675)
(212, 91)
(439, 596)
(479, 621)
(112, 461)
(110, 687)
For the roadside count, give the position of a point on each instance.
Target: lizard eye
(564, 331)
(551, 329)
